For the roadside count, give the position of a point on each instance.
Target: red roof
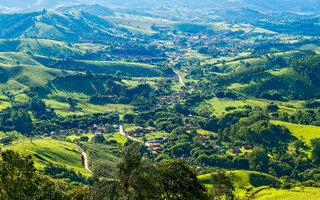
(235, 150)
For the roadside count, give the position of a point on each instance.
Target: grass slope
(307, 193)
(111, 67)
(42, 47)
(17, 78)
(306, 132)
(245, 182)
(46, 151)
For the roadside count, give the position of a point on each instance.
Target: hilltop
(78, 26)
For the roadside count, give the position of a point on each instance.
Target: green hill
(110, 67)
(292, 194)
(17, 78)
(41, 47)
(245, 182)
(45, 151)
(270, 61)
(57, 26)
(305, 132)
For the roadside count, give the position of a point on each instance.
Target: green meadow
(45, 151)
(304, 132)
(245, 182)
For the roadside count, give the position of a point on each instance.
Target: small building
(247, 147)
(155, 146)
(154, 152)
(235, 150)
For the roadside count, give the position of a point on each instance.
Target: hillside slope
(78, 26)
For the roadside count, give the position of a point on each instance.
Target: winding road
(85, 158)
(180, 77)
(175, 71)
(128, 136)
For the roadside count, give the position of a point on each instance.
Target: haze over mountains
(272, 5)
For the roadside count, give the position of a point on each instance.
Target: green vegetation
(304, 132)
(245, 182)
(45, 151)
(77, 74)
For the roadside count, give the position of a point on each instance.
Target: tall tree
(259, 159)
(131, 178)
(315, 154)
(21, 120)
(18, 178)
(179, 181)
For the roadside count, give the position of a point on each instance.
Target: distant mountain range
(263, 5)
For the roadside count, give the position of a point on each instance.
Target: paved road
(128, 136)
(85, 158)
(180, 77)
(175, 60)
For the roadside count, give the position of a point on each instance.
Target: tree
(179, 181)
(223, 187)
(84, 138)
(131, 178)
(299, 145)
(21, 120)
(18, 177)
(19, 180)
(315, 154)
(259, 159)
(98, 139)
(36, 104)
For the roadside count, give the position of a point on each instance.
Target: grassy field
(19, 77)
(218, 106)
(47, 150)
(73, 137)
(117, 137)
(101, 153)
(205, 132)
(245, 182)
(305, 132)
(307, 193)
(158, 134)
(261, 61)
(4, 105)
(39, 47)
(111, 67)
(109, 136)
(62, 108)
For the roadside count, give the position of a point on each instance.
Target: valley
(113, 100)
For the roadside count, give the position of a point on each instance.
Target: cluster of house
(169, 100)
(156, 144)
(141, 132)
(95, 129)
(236, 149)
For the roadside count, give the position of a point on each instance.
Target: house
(247, 147)
(154, 152)
(203, 136)
(199, 168)
(111, 111)
(235, 150)
(155, 146)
